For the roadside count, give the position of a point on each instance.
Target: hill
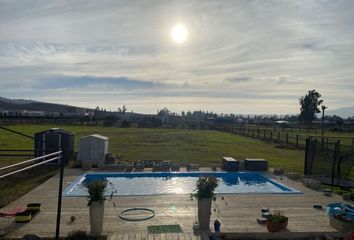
(22, 104)
(344, 112)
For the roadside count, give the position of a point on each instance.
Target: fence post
(306, 157)
(327, 143)
(278, 137)
(287, 138)
(264, 134)
(258, 134)
(352, 144)
(336, 151)
(271, 135)
(297, 141)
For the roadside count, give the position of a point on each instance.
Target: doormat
(164, 229)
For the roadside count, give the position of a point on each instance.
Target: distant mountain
(344, 112)
(15, 101)
(22, 104)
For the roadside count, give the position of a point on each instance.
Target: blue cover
(341, 209)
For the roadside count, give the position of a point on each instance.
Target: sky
(249, 57)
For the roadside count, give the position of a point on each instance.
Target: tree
(309, 106)
(122, 110)
(340, 122)
(164, 112)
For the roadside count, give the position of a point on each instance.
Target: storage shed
(53, 140)
(93, 149)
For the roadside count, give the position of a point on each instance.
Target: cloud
(238, 79)
(65, 82)
(238, 52)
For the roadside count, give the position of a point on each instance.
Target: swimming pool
(151, 183)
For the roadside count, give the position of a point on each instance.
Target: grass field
(178, 145)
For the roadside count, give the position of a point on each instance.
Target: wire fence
(289, 138)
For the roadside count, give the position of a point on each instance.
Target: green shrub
(96, 191)
(278, 217)
(205, 187)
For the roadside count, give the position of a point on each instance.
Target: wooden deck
(163, 236)
(237, 212)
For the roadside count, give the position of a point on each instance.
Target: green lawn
(178, 145)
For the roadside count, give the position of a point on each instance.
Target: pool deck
(237, 212)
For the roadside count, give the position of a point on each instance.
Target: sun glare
(179, 33)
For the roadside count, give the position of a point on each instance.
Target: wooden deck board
(237, 212)
(126, 236)
(113, 237)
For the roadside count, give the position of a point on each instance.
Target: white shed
(93, 149)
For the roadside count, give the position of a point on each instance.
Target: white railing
(54, 156)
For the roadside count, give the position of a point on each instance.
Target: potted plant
(96, 197)
(277, 222)
(204, 192)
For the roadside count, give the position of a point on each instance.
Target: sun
(179, 33)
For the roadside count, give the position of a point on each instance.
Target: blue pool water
(147, 183)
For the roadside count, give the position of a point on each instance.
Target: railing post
(57, 231)
(297, 141)
(271, 135)
(278, 137)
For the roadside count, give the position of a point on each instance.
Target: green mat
(164, 229)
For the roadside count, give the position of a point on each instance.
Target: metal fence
(332, 163)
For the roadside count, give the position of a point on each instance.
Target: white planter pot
(96, 218)
(204, 212)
